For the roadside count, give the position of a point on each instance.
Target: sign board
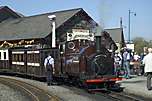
(80, 34)
(131, 46)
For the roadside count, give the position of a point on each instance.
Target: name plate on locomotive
(78, 34)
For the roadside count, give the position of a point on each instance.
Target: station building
(49, 30)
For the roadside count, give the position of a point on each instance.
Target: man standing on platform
(148, 67)
(126, 63)
(49, 67)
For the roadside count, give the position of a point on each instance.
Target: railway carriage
(4, 59)
(27, 61)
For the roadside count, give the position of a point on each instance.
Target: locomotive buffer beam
(103, 84)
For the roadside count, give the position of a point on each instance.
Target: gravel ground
(65, 93)
(10, 94)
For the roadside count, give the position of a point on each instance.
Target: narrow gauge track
(121, 96)
(111, 95)
(35, 93)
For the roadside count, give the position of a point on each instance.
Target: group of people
(124, 60)
(128, 62)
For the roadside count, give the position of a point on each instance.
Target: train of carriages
(86, 63)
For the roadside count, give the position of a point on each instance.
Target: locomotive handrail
(97, 66)
(100, 55)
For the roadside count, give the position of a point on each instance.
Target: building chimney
(52, 19)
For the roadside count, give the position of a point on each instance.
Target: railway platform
(137, 86)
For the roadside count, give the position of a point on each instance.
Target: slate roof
(116, 34)
(1, 7)
(38, 26)
(6, 13)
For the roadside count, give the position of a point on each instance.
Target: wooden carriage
(29, 61)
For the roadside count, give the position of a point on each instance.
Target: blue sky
(105, 12)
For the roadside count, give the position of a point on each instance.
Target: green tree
(150, 43)
(140, 43)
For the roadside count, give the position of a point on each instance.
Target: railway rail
(111, 95)
(121, 96)
(38, 94)
(33, 92)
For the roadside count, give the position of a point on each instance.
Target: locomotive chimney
(98, 38)
(52, 19)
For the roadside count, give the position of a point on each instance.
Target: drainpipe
(52, 19)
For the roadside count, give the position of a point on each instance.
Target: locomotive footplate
(103, 84)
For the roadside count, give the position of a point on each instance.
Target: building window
(4, 55)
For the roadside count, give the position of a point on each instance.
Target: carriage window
(0, 55)
(4, 55)
(16, 57)
(22, 57)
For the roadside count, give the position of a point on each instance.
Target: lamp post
(129, 24)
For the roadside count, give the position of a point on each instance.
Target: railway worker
(49, 67)
(148, 67)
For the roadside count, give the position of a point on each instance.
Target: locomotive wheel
(115, 87)
(98, 64)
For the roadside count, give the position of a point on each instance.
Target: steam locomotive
(84, 60)
(91, 62)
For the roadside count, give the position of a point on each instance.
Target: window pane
(4, 55)
(0, 55)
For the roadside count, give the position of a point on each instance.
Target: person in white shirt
(136, 57)
(49, 67)
(136, 65)
(117, 63)
(148, 67)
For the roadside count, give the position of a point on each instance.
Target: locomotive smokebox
(98, 38)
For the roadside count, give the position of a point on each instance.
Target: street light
(129, 24)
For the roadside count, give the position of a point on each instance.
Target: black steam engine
(91, 62)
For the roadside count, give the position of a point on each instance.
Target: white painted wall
(2, 54)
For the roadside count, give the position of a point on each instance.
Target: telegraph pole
(129, 24)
